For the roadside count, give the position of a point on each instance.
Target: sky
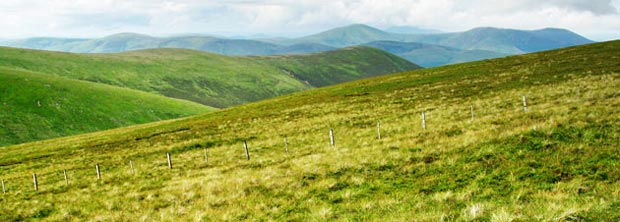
(596, 19)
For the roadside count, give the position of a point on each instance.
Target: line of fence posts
(247, 152)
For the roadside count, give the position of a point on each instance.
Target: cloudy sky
(596, 19)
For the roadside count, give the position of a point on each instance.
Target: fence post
(524, 104)
(35, 182)
(286, 143)
(133, 171)
(247, 152)
(206, 156)
(98, 171)
(331, 137)
(64, 172)
(3, 189)
(169, 161)
(423, 121)
(378, 129)
(472, 112)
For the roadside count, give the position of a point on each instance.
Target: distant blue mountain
(427, 49)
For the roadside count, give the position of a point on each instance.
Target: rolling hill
(206, 78)
(37, 106)
(448, 48)
(123, 42)
(430, 55)
(557, 161)
(509, 41)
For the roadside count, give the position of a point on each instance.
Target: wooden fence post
(378, 129)
(64, 172)
(286, 143)
(3, 189)
(423, 121)
(206, 156)
(472, 113)
(247, 152)
(35, 182)
(133, 171)
(524, 104)
(331, 137)
(169, 161)
(98, 171)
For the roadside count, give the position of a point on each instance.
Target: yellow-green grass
(36, 106)
(556, 162)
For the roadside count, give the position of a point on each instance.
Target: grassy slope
(37, 106)
(556, 162)
(209, 79)
(322, 69)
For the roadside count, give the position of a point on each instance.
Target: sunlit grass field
(557, 161)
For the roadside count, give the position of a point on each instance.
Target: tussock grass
(556, 162)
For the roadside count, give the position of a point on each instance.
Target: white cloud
(598, 19)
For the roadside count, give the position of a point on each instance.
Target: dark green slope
(35, 106)
(324, 69)
(210, 79)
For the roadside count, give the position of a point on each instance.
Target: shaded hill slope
(430, 55)
(37, 106)
(556, 161)
(210, 79)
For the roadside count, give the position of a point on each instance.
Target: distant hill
(479, 43)
(206, 78)
(411, 30)
(349, 35)
(430, 55)
(36, 106)
(131, 41)
(505, 40)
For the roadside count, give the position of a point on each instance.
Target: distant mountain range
(426, 47)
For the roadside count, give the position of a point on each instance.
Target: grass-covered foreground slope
(556, 162)
(37, 106)
(210, 79)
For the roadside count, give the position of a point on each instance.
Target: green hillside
(37, 106)
(210, 79)
(558, 161)
(322, 69)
